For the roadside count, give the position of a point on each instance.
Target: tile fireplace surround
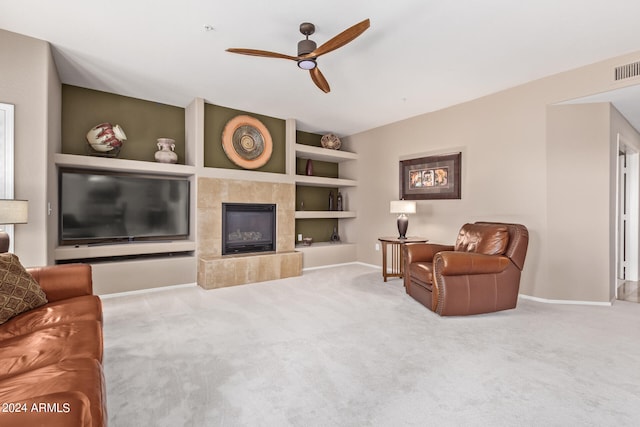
(215, 270)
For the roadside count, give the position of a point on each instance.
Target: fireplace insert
(248, 227)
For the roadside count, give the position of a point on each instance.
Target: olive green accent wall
(142, 121)
(215, 119)
(319, 230)
(314, 198)
(325, 169)
(308, 138)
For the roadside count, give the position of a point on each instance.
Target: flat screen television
(98, 207)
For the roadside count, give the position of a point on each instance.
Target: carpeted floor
(339, 347)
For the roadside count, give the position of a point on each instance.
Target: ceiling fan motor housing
(306, 46)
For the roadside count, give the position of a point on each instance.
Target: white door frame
(631, 194)
(6, 161)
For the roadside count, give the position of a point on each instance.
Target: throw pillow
(19, 292)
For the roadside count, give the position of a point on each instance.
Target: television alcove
(99, 207)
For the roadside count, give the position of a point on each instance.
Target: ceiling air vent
(627, 71)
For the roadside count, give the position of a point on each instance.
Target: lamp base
(4, 242)
(403, 224)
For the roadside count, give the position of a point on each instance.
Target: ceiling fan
(308, 53)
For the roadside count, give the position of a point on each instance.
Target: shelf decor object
(105, 140)
(165, 153)
(247, 142)
(335, 237)
(11, 212)
(434, 177)
(402, 207)
(330, 141)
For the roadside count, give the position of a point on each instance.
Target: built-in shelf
(323, 154)
(324, 214)
(322, 253)
(322, 245)
(123, 165)
(63, 253)
(321, 181)
(326, 253)
(244, 175)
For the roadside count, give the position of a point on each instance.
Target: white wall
(578, 188)
(28, 79)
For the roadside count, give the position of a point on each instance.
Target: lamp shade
(13, 211)
(402, 207)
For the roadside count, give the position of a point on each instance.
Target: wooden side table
(397, 255)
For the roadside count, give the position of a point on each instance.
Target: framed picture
(434, 177)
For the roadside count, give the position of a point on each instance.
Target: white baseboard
(561, 301)
(377, 267)
(320, 267)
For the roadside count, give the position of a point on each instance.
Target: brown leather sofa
(51, 356)
(479, 274)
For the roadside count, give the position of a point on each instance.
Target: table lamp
(402, 207)
(11, 212)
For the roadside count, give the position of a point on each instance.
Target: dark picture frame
(433, 177)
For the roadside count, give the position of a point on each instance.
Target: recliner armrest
(423, 252)
(462, 263)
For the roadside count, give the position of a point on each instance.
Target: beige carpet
(339, 347)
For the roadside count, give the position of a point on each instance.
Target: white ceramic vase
(165, 153)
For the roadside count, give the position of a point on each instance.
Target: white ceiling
(418, 56)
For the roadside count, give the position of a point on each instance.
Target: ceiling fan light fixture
(306, 46)
(307, 64)
(309, 52)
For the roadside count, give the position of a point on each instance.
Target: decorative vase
(335, 237)
(339, 202)
(331, 207)
(165, 153)
(309, 168)
(105, 139)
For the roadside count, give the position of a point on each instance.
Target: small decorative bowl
(307, 241)
(331, 142)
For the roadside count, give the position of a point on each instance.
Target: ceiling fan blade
(341, 39)
(319, 80)
(264, 53)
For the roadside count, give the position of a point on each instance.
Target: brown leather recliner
(479, 274)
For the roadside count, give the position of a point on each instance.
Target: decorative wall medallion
(247, 142)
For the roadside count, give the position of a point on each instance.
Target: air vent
(627, 71)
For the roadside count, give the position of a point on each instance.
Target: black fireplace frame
(248, 246)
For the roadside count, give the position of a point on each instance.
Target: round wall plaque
(247, 142)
